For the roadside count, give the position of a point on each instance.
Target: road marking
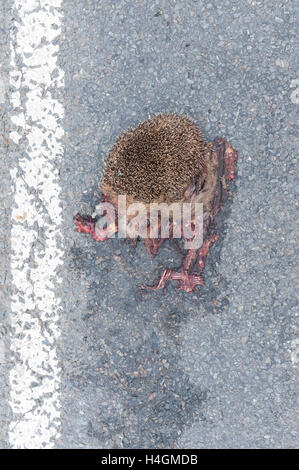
(36, 240)
(294, 351)
(2, 88)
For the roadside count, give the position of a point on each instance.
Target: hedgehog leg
(153, 245)
(87, 224)
(230, 158)
(166, 276)
(188, 280)
(204, 251)
(227, 158)
(224, 153)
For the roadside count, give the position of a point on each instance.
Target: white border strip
(36, 218)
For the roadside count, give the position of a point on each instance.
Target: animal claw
(187, 281)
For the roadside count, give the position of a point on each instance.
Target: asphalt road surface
(86, 362)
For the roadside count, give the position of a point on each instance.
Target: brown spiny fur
(157, 160)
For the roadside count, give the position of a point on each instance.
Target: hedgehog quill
(166, 161)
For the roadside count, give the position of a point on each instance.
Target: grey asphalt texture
(171, 369)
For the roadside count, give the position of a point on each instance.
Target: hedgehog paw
(187, 281)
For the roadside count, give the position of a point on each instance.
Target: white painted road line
(36, 218)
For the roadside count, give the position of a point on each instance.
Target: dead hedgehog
(167, 160)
